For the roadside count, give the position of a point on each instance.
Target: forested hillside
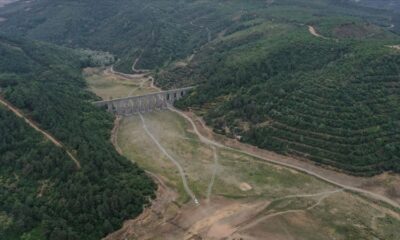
(332, 97)
(332, 102)
(42, 193)
(160, 31)
(312, 78)
(155, 31)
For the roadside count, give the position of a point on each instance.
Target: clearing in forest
(241, 196)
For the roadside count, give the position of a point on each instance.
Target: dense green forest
(262, 76)
(157, 31)
(161, 31)
(42, 194)
(336, 103)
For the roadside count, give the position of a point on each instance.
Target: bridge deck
(143, 103)
(103, 102)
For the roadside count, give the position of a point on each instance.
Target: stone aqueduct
(143, 103)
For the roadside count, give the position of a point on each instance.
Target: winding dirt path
(369, 194)
(33, 125)
(136, 62)
(173, 160)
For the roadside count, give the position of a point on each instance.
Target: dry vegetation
(108, 85)
(249, 198)
(276, 203)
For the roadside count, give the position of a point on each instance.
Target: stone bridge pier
(144, 103)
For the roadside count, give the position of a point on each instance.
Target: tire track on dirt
(263, 218)
(291, 166)
(173, 160)
(215, 171)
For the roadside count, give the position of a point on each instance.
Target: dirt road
(37, 128)
(330, 178)
(173, 160)
(372, 195)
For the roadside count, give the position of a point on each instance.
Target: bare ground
(397, 47)
(382, 186)
(305, 214)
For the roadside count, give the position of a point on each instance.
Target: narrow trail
(114, 134)
(57, 143)
(135, 62)
(173, 160)
(309, 195)
(152, 85)
(263, 218)
(300, 169)
(215, 171)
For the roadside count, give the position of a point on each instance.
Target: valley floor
(241, 195)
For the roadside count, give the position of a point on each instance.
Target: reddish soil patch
(351, 30)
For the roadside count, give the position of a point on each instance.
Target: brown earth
(351, 30)
(314, 32)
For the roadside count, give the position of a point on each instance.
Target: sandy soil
(37, 128)
(314, 32)
(245, 187)
(397, 47)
